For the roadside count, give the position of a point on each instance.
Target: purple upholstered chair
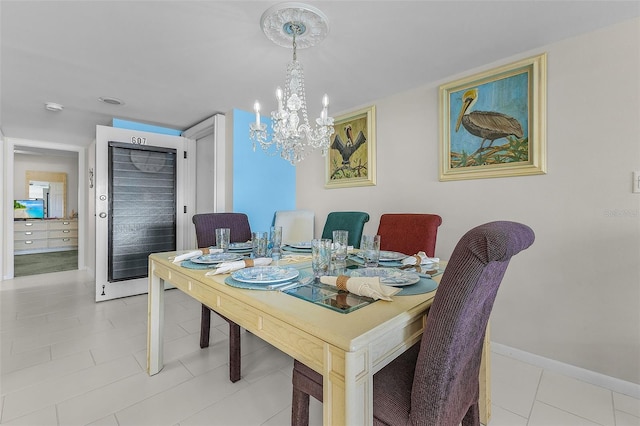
(435, 382)
(409, 233)
(206, 225)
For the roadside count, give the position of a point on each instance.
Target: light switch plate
(636, 182)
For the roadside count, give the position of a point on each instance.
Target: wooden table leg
(485, 381)
(155, 323)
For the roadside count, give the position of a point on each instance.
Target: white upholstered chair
(297, 225)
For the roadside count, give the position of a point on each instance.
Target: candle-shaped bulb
(256, 108)
(279, 97)
(325, 100)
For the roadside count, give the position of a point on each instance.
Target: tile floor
(66, 360)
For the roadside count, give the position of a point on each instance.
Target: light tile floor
(66, 360)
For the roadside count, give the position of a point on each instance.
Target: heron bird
(488, 125)
(347, 149)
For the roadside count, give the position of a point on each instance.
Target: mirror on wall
(50, 187)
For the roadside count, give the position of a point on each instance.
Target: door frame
(9, 145)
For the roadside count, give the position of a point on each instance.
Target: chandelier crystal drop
(292, 134)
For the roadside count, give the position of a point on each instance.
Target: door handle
(102, 215)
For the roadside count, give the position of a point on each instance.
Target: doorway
(35, 176)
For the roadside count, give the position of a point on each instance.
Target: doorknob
(103, 215)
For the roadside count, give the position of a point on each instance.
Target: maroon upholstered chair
(409, 233)
(435, 382)
(206, 225)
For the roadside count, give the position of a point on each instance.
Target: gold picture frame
(510, 110)
(351, 160)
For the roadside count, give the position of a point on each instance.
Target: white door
(145, 197)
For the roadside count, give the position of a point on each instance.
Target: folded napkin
(295, 258)
(362, 286)
(187, 256)
(227, 267)
(420, 259)
(195, 253)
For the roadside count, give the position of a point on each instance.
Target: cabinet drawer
(63, 233)
(62, 224)
(29, 235)
(29, 244)
(62, 242)
(29, 225)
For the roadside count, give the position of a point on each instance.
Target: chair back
(349, 221)
(409, 233)
(207, 223)
(297, 225)
(446, 376)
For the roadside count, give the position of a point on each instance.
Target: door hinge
(185, 209)
(185, 155)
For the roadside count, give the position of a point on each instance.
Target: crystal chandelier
(292, 134)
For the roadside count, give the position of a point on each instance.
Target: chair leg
(299, 408)
(472, 418)
(234, 352)
(205, 326)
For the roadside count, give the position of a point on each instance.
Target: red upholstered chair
(409, 233)
(435, 382)
(206, 225)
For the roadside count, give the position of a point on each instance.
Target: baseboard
(588, 376)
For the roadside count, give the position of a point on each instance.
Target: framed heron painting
(493, 124)
(351, 160)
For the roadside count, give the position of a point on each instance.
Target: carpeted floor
(42, 263)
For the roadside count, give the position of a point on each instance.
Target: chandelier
(292, 134)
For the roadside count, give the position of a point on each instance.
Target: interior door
(145, 197)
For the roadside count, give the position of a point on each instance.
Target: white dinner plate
(214, 258)
(388, 256)
(265, 274)
(301, 245)
(388, 276)
(240, 246)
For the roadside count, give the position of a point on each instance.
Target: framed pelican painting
(351, 160)
(493, 124)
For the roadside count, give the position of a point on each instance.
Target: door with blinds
(142, 207)
(144, 204)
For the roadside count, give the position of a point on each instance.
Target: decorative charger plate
(388, 276)
(216, 258)
(265, 274)
(388, 256)
(240, 246)
(301, 245)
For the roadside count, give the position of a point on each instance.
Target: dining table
(346, 348)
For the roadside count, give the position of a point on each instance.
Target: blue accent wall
(132, 125)
(262, 183)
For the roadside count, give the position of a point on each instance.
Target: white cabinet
(38, 236)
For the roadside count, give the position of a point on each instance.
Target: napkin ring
(418, 259)
(248, 263)
(341, 282)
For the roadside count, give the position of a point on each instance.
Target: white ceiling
(175, 63)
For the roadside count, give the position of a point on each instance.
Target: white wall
(574, 296)
(52, 163)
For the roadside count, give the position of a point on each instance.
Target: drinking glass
(275, 241)
(370, 248)
(340, 243)
(222, 239)
(320, 256)
(259, 244)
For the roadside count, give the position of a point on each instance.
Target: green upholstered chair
(349, 221)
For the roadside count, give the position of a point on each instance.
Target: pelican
(488, 125)
(347, 149)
